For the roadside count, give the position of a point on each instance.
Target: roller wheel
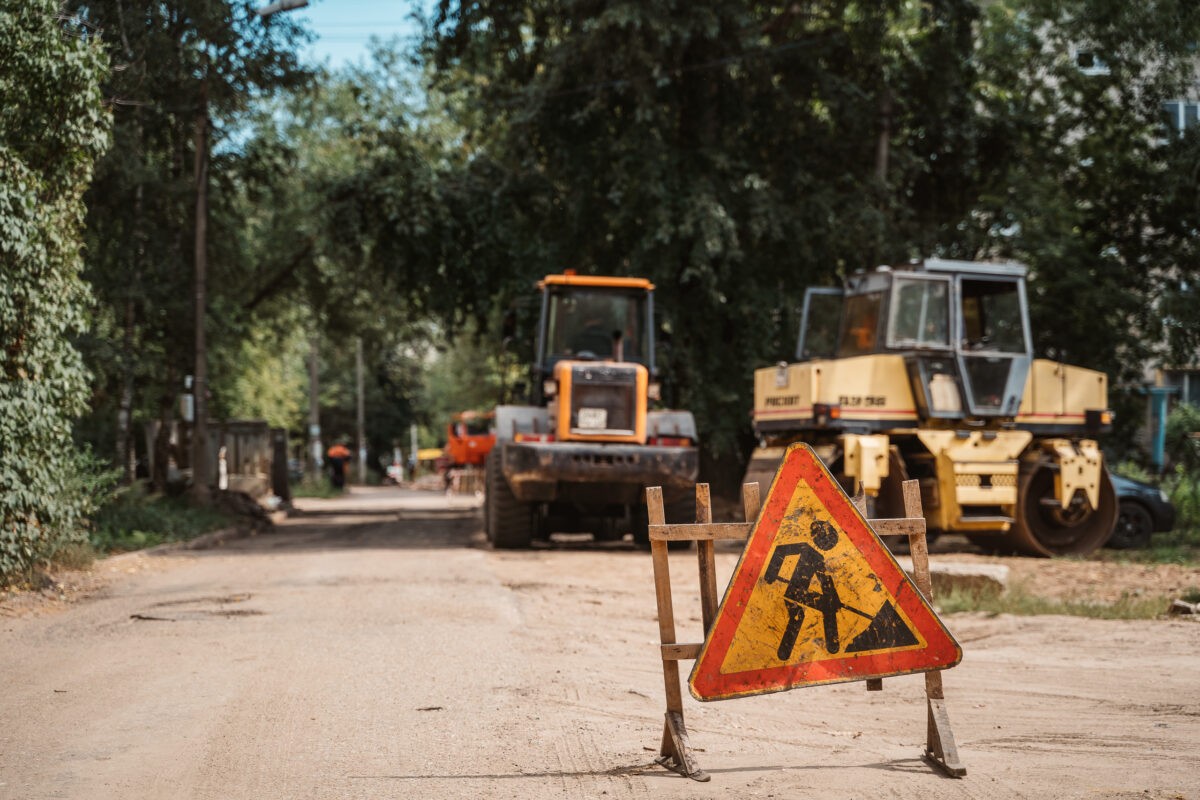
(507, 521)
(764, 463)
(1044, 529)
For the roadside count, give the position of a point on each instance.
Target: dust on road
(374, 647)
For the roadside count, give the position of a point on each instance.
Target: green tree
(53, 126)
(731, 152)
(355, 227)
(735, 152)
(182, 68)
(1074, 162)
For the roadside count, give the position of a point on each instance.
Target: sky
(343, 28)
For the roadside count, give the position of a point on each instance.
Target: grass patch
(1019, 601)
(135, 520)
(315, 487)
(75, 555)
(1180, 546)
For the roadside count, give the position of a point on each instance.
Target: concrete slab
(949, 575)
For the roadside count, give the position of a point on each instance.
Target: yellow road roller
(926, 371)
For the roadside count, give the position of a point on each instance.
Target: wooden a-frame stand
(675, 753)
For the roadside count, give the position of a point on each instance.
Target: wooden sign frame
(675, 753)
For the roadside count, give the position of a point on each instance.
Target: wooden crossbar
(699, 532)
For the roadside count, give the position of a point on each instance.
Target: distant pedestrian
(338, 455)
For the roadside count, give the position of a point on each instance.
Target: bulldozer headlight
(1098, 419)
(550, 387)
(654, 391)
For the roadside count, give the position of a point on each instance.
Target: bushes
(52, 128)
(1183, 451)
(135, 519)
(77, 492)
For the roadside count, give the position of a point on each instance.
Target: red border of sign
(941, 651)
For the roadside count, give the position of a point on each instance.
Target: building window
(1181, 115)
(1187, 381)
(1090, 64)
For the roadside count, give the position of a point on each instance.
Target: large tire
(1042, 529)
(507, 521)
(1133, 528)
(679, 510)
(764, 463)
(639, 524)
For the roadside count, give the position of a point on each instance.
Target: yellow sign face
(816, 598)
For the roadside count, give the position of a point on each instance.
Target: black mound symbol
(886, 631)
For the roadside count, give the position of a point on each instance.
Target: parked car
(1143, 509)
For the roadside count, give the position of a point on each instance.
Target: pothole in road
(196, 601)
(199, 614)
(183, 614)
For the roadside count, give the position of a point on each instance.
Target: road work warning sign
(816, 598)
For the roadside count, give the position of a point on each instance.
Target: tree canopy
(736, 152)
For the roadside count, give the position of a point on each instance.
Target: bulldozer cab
(586, 318)
(962, 327)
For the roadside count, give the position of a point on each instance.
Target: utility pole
(362, 436)
(412, 438)
(200, 474)
(314, 411)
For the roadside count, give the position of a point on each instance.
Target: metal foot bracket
(675, 753)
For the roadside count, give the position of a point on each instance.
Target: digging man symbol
(800, 596)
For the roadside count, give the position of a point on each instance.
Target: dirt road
(376, 648)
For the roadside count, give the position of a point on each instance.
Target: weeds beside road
(135, 520)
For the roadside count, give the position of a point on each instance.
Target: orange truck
(469, 439)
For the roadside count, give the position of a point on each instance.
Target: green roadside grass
(1180, 546)
(135, 520)
(1019, 601)
(318, 487)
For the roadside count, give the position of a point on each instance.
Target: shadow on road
(384, 518)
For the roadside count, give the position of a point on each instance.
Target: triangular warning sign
(816, 598)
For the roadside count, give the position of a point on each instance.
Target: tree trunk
(126, 450)
(883, 143)
(162, 439)
(314, 411)
(200, 477)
